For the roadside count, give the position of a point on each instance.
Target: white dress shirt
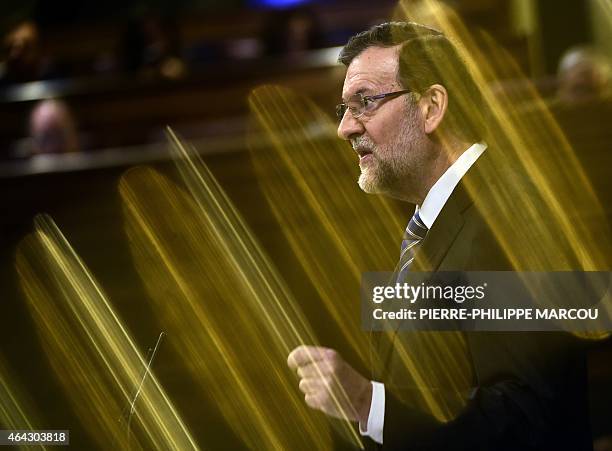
(429, 210)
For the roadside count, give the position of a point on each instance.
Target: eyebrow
(359, 91)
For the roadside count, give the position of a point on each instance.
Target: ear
(434, 104)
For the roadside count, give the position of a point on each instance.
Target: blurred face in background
(52, 128)
(390, 140)
(583, 76)
(22, 48)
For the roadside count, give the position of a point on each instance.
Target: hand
(330, 384)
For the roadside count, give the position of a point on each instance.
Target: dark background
(121, 105)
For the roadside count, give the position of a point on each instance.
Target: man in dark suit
(416, 119)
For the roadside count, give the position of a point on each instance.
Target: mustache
(362, 142)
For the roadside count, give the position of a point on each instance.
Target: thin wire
(142, 381)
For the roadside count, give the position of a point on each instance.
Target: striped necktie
(414, 234)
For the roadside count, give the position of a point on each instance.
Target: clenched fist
(330, 384)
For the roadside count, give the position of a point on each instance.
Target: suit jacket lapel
(450, 220)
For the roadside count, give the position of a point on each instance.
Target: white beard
(370, 178)
(393, 170)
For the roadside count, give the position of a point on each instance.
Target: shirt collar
(439, 193)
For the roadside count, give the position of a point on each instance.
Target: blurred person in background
(583, 76)
(151, 47)
(291, 31)
(53, 128)
(23, 59)
(22, 55)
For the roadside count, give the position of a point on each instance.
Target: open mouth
(365, 158)
(363, 152)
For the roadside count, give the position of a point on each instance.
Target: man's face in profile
(389, 139)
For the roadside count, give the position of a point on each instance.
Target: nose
(349, 126)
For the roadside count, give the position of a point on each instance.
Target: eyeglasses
(359, 104)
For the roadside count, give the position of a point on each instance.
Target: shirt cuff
(376, 418)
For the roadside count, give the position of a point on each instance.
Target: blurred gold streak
(79, 329)
(16, 411)
(209, 225)
(276, 112)
(554, 175)
(191, 297)
(230, 229)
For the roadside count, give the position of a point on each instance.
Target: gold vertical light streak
(90, 350)
(555, 178)
(16, 411)
(546, 211)
(337, 232)
(234, 319)
(311, 187)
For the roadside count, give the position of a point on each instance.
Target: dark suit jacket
(530, 389)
